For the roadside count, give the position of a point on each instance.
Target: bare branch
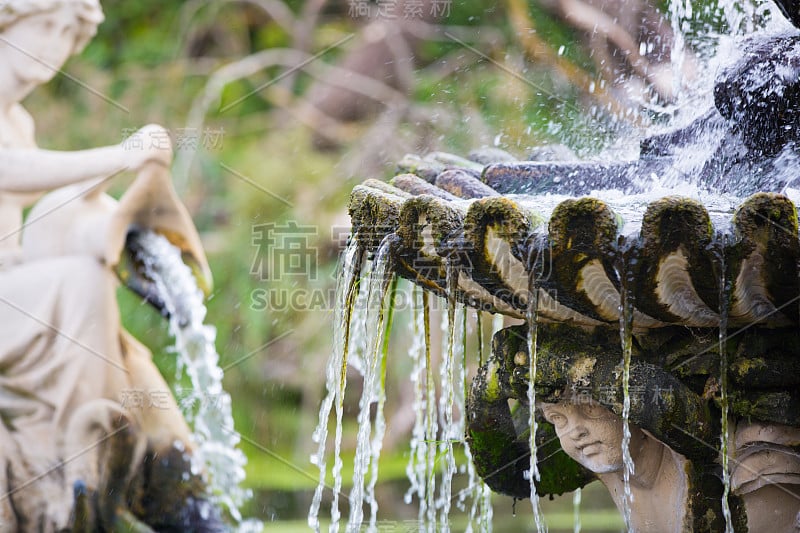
(538, 51)
(591, 20)
(259, 61)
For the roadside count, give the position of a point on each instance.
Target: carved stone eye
(594, 411)
(557, 419)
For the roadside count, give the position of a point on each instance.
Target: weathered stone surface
(709, 286)
(675, 279)
(677, 262)
(581, 367)
(579, 264)
(463, 184)
(578, 363)
(413, 184)
(572, 178)
(763, 261)
(375, 211)
(500, 447)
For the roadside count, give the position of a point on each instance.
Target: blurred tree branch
(539, 51)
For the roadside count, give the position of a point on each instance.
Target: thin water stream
(626, 339)
(380, 418)
(576, 511)
(533, 306)
(362, 335)
(431, 423)
(346, 291)
(447, 403)
(378, 286)
(417, 469)
(724, 302)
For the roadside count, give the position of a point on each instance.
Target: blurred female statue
(66, 363)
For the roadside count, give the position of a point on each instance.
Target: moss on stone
(512, 224)
(670, 224)
(375, 211)
(766, 225)
(581, 231)
(424, 168)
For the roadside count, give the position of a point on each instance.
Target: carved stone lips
(591, 448)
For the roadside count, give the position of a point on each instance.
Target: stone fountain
(660, 352)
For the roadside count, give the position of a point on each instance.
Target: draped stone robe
(66, 365)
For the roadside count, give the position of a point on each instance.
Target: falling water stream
(431, 423)
(380, 420)
(480, 512)
(366, 446)
(449, 430)
(205, 405)
(626, 338)
(576, 511)
(724, 301)
(418, 470)
(533, 307)
(346, 291)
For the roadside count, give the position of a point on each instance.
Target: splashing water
(680, 14)
(437, 426)
(576, 511)
(206, 406)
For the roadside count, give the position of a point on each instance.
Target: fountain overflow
(631, 327)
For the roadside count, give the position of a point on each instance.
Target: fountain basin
(675, 249)
(692, 267)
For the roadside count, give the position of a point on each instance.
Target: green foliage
(146, 27)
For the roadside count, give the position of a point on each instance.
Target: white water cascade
(205, 405)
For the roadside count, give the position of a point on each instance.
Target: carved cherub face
(36, 46)
(37, 36)
(589, 433)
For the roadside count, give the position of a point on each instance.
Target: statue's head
(589, 433)
(37, 36)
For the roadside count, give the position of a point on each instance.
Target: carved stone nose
(579, 432)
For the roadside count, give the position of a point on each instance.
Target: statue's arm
(30, 170)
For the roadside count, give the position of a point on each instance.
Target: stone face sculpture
(73, 457)
(579, 371)
(592, 435)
